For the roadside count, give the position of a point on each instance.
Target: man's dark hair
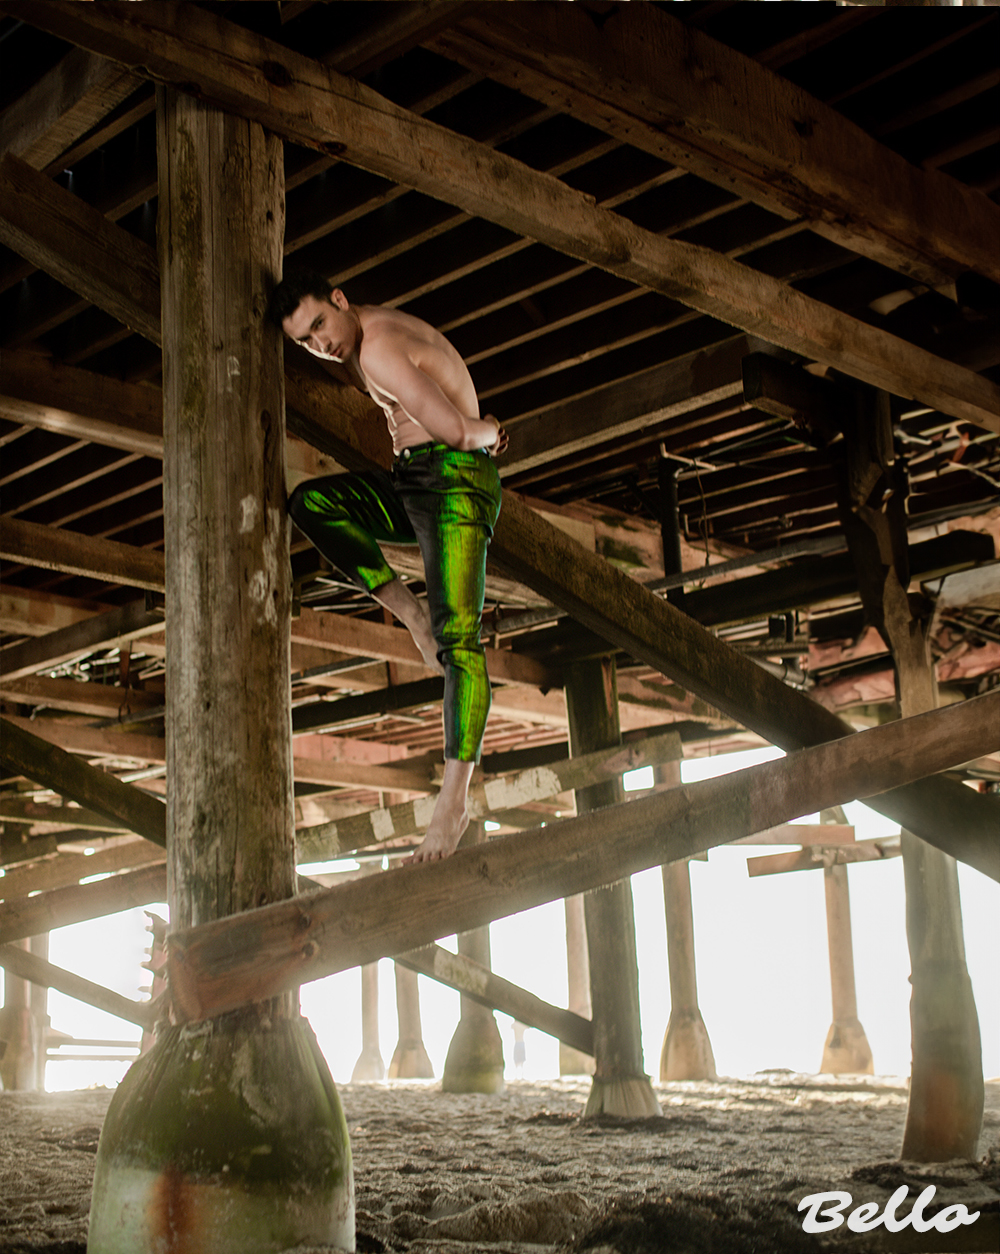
(289, 293)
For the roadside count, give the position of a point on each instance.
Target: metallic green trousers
(447, 502)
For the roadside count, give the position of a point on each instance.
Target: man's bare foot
(450, 817)
(440, 841)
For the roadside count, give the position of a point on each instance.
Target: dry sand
(721, 1172)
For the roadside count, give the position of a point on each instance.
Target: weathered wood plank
(29, 916)
(479, 983)
(87, 406)
(45, 763)
(52, 548)
(28, 966)
(229, 962)
(33, 612)
(676, 387)
(664, 86)
(106, 742)
(305, 102)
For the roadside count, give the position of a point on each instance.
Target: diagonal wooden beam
(45, 763)
(473, 980)
(303, 101)
(29, 966)
(226, 963)
(657, 83)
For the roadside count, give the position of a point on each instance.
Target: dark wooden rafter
(536, 554)
(696, 103)
(182, 45)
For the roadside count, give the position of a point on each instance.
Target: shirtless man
(443, 493)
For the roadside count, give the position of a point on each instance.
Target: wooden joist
(28, 966)
(304, 102)
(45, 763)
(229, 962)
(664, 86)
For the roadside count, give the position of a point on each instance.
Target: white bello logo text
(826, 1210)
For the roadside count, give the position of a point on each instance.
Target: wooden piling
(620, 1085)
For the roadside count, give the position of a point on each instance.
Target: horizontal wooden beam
(479, 983)
(509, 792)
(120, 741)
(28, 966)
(817, 857)
(802, 834)
(77, 696)
(615, 410)
(250, 957)
(45, 763)
(86, 406)
(51, 548)
(311, 105)
(30, 916)
(33, 611)
(660, 84)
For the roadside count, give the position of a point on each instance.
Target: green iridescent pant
(447, 502)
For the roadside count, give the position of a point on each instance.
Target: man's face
(327, 328)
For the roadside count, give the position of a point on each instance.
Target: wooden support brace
(47, 764)
(479, 983)
(232, 961)
(28, 966)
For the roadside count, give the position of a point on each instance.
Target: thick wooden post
(409, 1059)
(191, 1110)
(687, 1050)
(945, 1108)
(573, 1061)
(620, 1085)
(474, 1063)
(846, 1048)
(369, 1065)
(20, 1040)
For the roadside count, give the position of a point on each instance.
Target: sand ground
(721, 1172)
